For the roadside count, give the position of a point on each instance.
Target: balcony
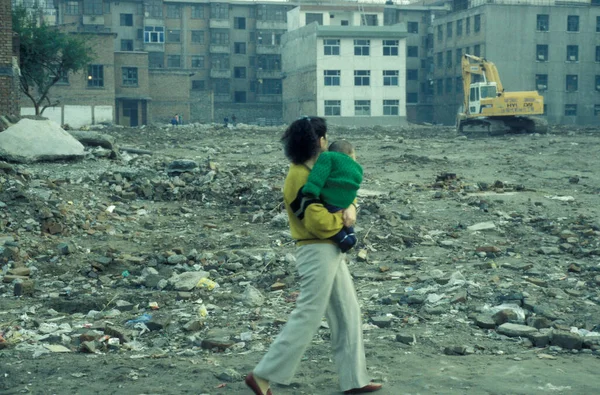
(220, 73)
(268, 74)
(268, 49)
(216, 48)
(271, 25)
(93, 19)
(219, 24)
(268, 98)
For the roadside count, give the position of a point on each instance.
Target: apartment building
(342, 63)
(545, 45)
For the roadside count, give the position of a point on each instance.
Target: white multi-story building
(342, 63)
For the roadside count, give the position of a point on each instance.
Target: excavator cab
(478, 91)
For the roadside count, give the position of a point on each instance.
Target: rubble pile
(182, 249)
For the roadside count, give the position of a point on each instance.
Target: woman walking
(326, 286)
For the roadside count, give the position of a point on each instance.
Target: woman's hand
(349, 216)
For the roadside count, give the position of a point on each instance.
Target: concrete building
(545, 45)
(342, 63)
(9, 91)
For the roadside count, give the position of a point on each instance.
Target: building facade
(545, 45)
(345, 65)
(9, 91)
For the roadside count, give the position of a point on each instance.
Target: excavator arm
(474, 65)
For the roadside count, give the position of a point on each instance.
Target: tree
(46, 55)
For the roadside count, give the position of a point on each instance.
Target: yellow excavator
(488, 109)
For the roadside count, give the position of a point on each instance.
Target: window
(362, 107)
(173, 11)
(239, 72)
(174, 61)
(477, 23)
(597, 83)
(198, 85)
(344, 22)
(239, 48)
(154, 34)
(126, 45)
(440, 86)
(570, 110)
(106, 7)
(239, 23)
(597, 53)
(219, 11)
(459, 85)
(64, 79)
(424, 63)
(332, 77)
(361, 47)
(220, 62)
(362, 77)
(126, 19)
(198, 13)
(598, 24)
(468, 25)
(197, 62)
(154, 8)
(198, 36)
(390, 47)
(477, 50)
(92, 7)
(543, 23)
(271, 87)
(412, 75)
(449, 59)
(448, 85)
(459, 27)
(572, 84)
(572, 53)
(156, 60)
(219, 37)
(458, 56)
(269, 62)
(390, 77)
(440, 33)
(270, 38)
(412, 27)
(412, 51)
(140, 34)
(440, 59)
(130, 76)
(572, 23)
(271, 13)
(174, 36)
(139, 9)
(541, 53)
(597, 110)
(331, 47)
(333, 107)
(449, 29)
(221, 86)
(391, 107)
(541, 82)
(313, 17)
(72, 8)
(412, 97)
(239, 96)
(95, 76)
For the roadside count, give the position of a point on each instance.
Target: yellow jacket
(318, 224)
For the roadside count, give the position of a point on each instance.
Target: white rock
(32, 141)
(482, 226)
(186, 281)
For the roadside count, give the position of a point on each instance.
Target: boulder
(31, 141)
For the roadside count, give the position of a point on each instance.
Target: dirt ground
(422, 272)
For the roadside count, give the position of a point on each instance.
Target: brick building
(9, 91)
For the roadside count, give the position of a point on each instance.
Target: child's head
(343, 146)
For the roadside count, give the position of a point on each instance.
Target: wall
(174, 98)
(9, 91)
(299, 60)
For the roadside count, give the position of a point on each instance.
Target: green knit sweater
(335, 179)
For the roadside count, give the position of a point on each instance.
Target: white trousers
(326, 288)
